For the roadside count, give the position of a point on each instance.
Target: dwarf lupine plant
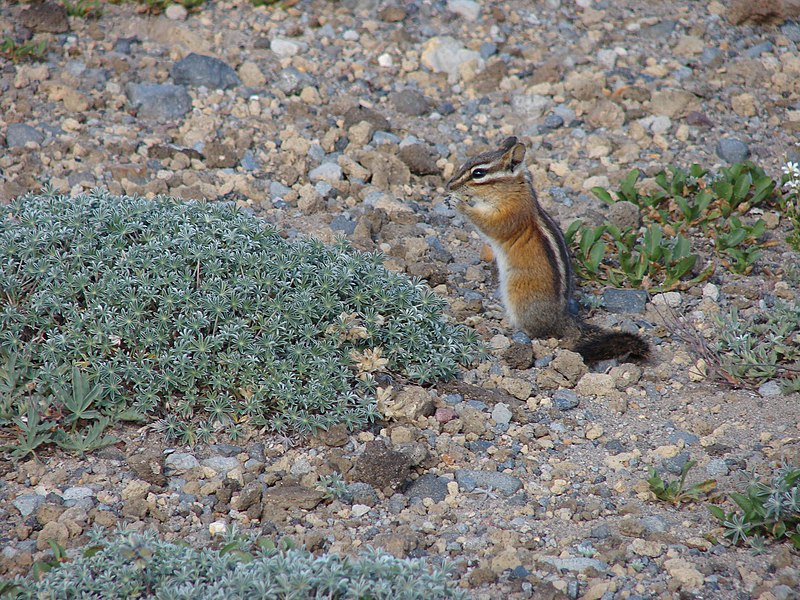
(205, 317)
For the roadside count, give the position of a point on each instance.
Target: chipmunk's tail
(595, 344)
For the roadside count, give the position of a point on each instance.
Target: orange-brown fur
(532, 259)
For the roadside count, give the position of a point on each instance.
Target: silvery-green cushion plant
(138, 566)
(202, 316)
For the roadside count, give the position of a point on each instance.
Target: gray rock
(291, 81)
(770, 389)
(487, 49)
(676, 463)
(501, 414)
(624, 301)
(384, 137)
(791, 29)
(712, 57)
(660, 30)
(27, 504)
(77, 493)
(327, 171)
(732, 150)
(278, 190)
(197, 69)
(249, 161)
(410, 102)
(553, 121)
(600, 532)
(577, 564)
(445, 54)
(180, 462)
(717, 467)
(428, 486)
(362, 493)
(565, 400)
(159, 101)
(684, 436)
(759, 49)
(19, 134)
(286, 47)
(468, 9)
(654, 524)
(469, 479)
(342, 223)
(222, 464)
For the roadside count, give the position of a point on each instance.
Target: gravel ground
(346, 118)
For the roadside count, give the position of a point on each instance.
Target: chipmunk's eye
(478, 173)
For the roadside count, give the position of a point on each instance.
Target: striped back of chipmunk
(499, 181)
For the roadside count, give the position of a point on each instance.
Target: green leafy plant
(767, 510)
(20, 51)
(333, 486)
(688, 207)
(142, 566)
(205, 319)
(761, 345)
(85, 9)
(31, 431)
(676, 492)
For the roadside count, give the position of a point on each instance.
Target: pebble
(624, 301)
(428, 486)
(732, 150)
(20, 134)
(329, 172)
(445, 54)
(285, 47)
(410, 102)
(197, 69)
(27, 504)
(565, 400)
(501, 414)
(159, 101)
(180, 462)
(770, 389)
(469, 479)
(468, 9)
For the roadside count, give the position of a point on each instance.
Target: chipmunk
(494, 191)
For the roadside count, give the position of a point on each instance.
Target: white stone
(385, 60)
(217, 528)
(176, 12)
(444, 54)
(469, 9)
(327, 171)
(285, 47)
(531, 106)
(359, 510)
(501, 414)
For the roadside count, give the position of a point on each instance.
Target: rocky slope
(345, 118)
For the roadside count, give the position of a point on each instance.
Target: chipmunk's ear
(514, 153)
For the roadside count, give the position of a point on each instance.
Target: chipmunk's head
(486, 179)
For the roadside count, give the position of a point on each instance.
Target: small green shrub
(142, 566)
(768, 510)
(18, 52)
(761, 346)
(688, 207)
(676, 492)
(117, 307)
(85, 9)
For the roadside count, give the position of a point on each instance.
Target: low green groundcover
(204, 316)
(135, 566)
